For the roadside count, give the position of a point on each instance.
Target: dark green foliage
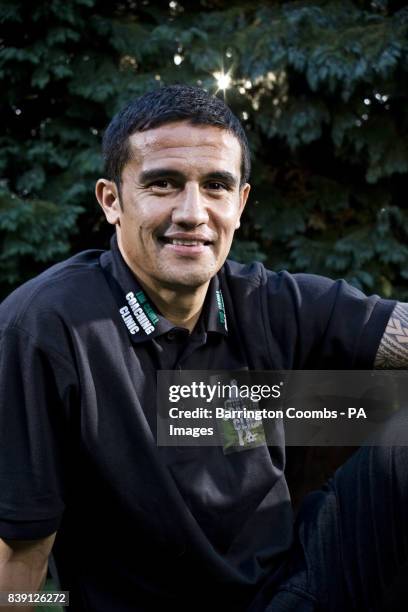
(322, 88)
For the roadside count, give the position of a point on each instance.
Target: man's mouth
(184, 241)
(181, 246)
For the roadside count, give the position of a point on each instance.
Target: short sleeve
(339, 326)
(34, 390)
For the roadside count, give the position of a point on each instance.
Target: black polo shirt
(141, 527)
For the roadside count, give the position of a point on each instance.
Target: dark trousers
(351, 537)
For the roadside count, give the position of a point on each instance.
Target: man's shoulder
(282, 292)
(60, 287)
(257, 275)
(253, 274)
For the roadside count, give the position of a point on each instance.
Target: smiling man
(137, 527)
(176, 208)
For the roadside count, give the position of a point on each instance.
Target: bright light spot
(241, 90)
(228, 53)
(128, 61)
(18, 111)
(367, 101)
(223, 80)
(358, 123)
(247, 84)
(364, 117)
(157, 77)
(381, 98)
(245, 115)
(175, 8)
(178, 59)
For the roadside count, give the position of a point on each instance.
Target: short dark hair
(162, 106)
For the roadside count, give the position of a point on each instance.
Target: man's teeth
(186, 242)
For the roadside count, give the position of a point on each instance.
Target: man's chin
(188, 278)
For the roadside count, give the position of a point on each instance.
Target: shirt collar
(214, 313)
(139, 315)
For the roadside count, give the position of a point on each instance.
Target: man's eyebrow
(222, 175)
(161, 173)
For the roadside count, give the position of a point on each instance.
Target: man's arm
(393, 349)
(23, 566)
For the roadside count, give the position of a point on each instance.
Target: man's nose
(191, 209)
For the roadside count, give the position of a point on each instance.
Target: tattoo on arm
(393, 349)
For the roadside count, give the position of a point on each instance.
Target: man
(142, 527)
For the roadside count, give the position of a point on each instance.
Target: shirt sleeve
(340, 326)
(318, 323)
(35, 387)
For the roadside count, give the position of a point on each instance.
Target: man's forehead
(182, 139)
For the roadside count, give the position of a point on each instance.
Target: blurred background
(321, 88)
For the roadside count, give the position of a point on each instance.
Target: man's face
(181, 203)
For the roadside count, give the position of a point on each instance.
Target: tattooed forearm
(393, 349)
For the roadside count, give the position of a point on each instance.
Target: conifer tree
(321, 87)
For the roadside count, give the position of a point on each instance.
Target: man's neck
(181, 308)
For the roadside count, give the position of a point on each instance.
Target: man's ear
(243, 197)
(108, 197)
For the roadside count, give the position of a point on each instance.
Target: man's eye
(162, 184)
(216, 186)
